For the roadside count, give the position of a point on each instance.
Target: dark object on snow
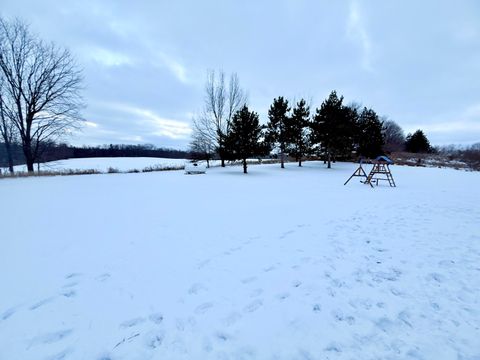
(195, 168)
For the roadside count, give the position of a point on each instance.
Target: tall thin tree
(277, 127)
(7, 128)
(297, 130)
(221, 103)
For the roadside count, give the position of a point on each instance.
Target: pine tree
(333, 127)
(244, 138)
(370, 136)
(417, 143)
(297, 127)
(277, 134)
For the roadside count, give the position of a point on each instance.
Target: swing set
(380, 172)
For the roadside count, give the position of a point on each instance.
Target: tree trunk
(223, 162)
(208, 163)
(329, 161)
(29, 158)
(282, 161)
(8, 149)
(300, 161)
(244, 166)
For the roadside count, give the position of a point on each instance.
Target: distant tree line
(52, 152)
(228, 130)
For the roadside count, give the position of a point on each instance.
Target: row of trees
(40, 87)
(228, 129)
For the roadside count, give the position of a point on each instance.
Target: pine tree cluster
(333, 131)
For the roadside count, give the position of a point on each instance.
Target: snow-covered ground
(122, 164)
(276, 264)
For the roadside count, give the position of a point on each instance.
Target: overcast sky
(145, 62)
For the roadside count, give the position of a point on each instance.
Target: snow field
(276, 264)
(122, 164)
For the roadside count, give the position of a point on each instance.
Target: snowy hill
(276, 264)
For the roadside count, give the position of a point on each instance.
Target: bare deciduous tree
(202, 147)
(42, 88)
(221, 104)
(393, 135)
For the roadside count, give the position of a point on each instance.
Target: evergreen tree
(333, 127)
(370, 136)
(277, 134)
(417, 143)
(244, 138)
(297, 127)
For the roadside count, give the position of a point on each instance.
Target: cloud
(357, 31)
(158, 125)
(177, 69)
(463, 127)
(106, 57)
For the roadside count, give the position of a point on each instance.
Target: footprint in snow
(287, 233)
(70, 284)
(61, 355)
(232, 318)
(156, 318)
(7, 313)
(203, 308)
(221, 336)
(41, 303)
(269, 268)
(404, 317)
(51, 338)
(132, 322)
(437, 277)
(69, 293)
(249, 279)
(283, 296)
(253, 306)
(103, 277)
(256, 292)
(196, 288)
(154, 340)
(296, 283)
(72, 275)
